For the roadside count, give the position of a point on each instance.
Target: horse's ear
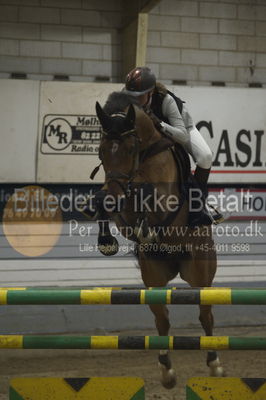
(105, 119)
(131, 115)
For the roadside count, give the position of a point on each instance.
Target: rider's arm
(176, 128)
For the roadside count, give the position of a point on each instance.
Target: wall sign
(70, 134)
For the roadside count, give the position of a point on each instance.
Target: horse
(139, 162)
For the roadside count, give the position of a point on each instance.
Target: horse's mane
(117, 102)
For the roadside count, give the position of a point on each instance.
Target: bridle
(115, 176)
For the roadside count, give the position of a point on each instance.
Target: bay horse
(139, 162)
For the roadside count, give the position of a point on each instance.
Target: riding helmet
(139, 81)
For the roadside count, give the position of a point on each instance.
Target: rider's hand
(156, 121)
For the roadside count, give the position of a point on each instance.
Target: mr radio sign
(70, 134)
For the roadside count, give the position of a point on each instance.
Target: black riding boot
(199, 215)
(202, 176)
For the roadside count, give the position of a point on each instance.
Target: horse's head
(119, 151)
(127, 130)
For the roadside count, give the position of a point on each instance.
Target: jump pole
(132, 342)
(203, 296)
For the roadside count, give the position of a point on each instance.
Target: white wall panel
(19, 102)
(69, 101)
(239, 115)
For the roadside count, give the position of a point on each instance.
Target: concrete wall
(209, 41)
(195, 41)
(73, 37)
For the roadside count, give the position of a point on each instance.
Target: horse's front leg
(168, 374)
(206, 320)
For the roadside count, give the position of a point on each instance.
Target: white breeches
(197, 147)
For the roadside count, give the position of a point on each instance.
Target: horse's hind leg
(168, 374)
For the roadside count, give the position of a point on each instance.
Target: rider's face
(145, 99)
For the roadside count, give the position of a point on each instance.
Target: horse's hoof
(108, 245)
(168, 377)
(218, 372)
(216, 369)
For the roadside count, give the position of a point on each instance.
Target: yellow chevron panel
(226, 388)
(115, 388)
(111, 388)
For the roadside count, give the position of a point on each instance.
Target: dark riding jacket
(176, 121)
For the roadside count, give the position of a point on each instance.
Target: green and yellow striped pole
(132, 342)
(204, 296)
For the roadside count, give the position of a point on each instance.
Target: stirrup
(217, 217)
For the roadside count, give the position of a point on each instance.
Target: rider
(173, 119)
